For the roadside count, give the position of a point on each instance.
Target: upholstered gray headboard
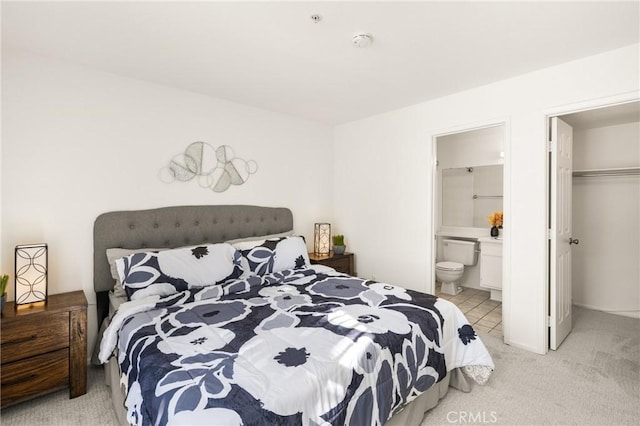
(175, 227)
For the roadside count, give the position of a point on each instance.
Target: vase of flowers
(495, 220)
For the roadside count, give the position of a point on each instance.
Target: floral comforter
(307, 346)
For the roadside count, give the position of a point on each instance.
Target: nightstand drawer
(341, 265)
(34, 336)
(22, 380)
(340, 262)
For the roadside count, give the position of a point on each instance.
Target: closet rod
(475, 197)
(627, 171)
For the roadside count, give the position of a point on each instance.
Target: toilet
(457, 254)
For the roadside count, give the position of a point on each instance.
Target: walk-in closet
(606, 209)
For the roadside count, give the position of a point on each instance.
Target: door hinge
(549, 146)
(549, 234)
(548, 321)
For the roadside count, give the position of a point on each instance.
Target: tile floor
(484, 314)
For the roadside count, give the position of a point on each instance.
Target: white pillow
(289, 253)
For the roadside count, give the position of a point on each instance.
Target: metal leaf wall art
(213, 168)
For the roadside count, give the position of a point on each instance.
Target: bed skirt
(411, 414)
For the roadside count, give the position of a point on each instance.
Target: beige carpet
(56, 409)
(593, 379)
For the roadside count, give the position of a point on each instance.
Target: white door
(560, 233)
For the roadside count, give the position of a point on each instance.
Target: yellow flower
(495, 219)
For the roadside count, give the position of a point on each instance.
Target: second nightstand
(340, 262)
(44, 348)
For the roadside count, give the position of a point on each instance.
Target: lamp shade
(322, 238)
(31, 273)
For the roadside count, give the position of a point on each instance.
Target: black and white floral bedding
(299, 346)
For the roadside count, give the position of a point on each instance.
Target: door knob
(573, 241)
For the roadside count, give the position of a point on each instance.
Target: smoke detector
(362, 40)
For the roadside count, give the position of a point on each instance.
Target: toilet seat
(450, 266)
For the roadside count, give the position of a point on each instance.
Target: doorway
(469, 186)
(593, 214)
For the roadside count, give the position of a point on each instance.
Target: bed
(223, 320)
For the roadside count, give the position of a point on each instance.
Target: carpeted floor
(56, 409)
(593, 379)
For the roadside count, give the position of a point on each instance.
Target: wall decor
(213, 168)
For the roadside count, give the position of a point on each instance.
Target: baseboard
(629, 314)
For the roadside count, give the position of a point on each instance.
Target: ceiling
(273, 56)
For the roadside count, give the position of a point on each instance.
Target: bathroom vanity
(491, 266)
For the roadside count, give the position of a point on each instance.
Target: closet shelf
(625, 171)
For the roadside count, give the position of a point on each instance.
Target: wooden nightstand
(340, 262)
(44, 348)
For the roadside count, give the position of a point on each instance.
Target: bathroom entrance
(469, 188)
(594, 189)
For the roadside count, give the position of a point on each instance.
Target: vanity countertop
(491, 240)
(462, 232)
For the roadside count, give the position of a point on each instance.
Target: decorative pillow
(167, 272)
(263, 257)
(114, 254)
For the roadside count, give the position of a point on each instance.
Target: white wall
(606, 220)
(78, 142)
(384, 201)
(480, 147)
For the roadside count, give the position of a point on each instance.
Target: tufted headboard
(175, 227)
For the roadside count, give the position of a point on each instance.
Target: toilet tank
(465, 252)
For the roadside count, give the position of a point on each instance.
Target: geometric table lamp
(31, 273)
(322, 238)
